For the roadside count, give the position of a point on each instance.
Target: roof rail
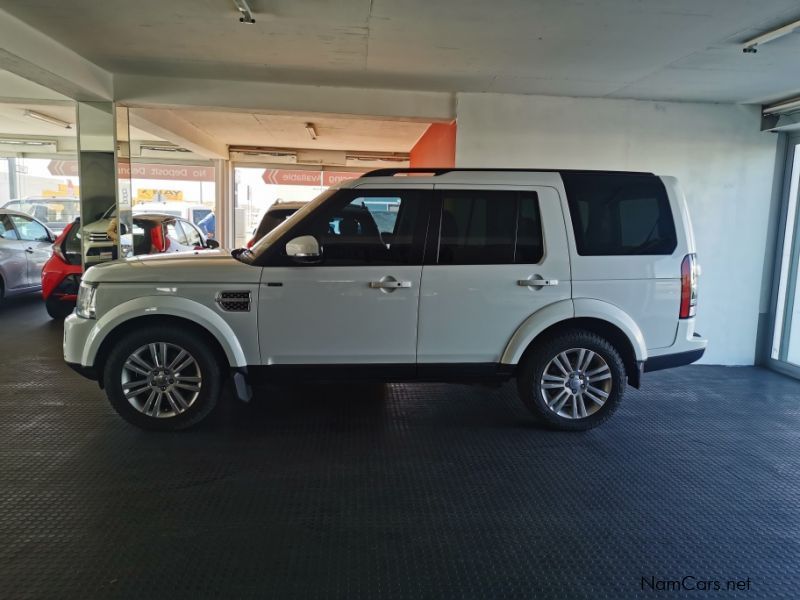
(389, 172)
(435, 171)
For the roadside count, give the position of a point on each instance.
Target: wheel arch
(166, 321)
(596, 316)
(172, 312)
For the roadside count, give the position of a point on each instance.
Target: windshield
(265, 242)
(54, 213)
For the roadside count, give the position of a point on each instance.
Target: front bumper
(77, 331)
(88, 372)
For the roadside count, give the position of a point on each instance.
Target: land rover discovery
(573, 283)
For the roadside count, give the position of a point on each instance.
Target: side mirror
(305, 246)
(210, 243)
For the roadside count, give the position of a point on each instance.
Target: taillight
(688, 286)
(59, 252)
(59, 249)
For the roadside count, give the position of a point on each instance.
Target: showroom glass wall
(32, 158)
(257, 188)
(784, 351)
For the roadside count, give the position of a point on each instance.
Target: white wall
(725, 165)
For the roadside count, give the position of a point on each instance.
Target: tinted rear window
(619, 214)
(490, 227)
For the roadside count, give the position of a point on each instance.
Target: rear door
(37, 246)
(501, 255)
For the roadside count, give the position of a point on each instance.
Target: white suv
(572, 282)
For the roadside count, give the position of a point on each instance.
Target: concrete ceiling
(13, 88)
(654, 49)
(18, 95)
(285, 131)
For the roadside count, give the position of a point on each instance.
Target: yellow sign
(150, 195)
(65, 190)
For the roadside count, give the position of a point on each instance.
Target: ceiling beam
(279, 98)
(169, 125)
(37, 57)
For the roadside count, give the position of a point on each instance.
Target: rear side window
(617, 214)
(489, 228)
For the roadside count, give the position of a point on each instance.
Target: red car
(152, 234)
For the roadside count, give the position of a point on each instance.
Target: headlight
(87, 300)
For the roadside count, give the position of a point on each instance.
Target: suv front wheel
(162, 379)
(574, 381)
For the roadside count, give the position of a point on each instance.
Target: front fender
(165, 306)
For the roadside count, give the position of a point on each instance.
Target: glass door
(786, 331)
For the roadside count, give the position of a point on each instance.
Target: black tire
(57, 308)
(531, 371)
(207, 363)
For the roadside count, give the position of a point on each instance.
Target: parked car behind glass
(55, 213)
(24, 248)
(152, 234)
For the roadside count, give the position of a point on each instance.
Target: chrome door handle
(29, 250)
(389, 285)
(536, 282)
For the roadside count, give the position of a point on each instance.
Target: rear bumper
(668, 361)
(689, 347)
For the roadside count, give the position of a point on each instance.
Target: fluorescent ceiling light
(770, 36)
(783, 107)
(247, 14)
(28, 142)
(47, 119)
(311, 131)
(164, 148)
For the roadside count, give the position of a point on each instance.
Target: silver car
(25, 245)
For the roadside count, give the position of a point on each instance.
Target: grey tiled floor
(402, 491)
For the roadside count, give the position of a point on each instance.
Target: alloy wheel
(576, 383)
(161, 380)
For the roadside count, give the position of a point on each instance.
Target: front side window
(175, 234)
(191, 234)
(29, 230)
(618, 214)
(7, 231)
(488, 227)
(369, 228)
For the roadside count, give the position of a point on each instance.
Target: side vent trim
(235, 300)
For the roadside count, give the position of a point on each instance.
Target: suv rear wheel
(162, 380)
(574, 381)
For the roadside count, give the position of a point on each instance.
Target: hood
(194, 266)
(97, 226)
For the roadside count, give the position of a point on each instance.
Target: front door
(502, 255)
(37, 244)
(357, 302)
(13, 261)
